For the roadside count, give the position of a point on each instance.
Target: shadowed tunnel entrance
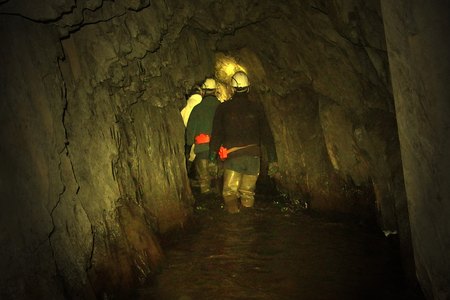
(96, 201)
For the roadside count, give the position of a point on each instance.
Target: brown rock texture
(93, 168)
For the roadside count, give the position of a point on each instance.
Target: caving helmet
(209, 84)
(240, 80)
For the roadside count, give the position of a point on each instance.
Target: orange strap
(202, 139)
(223, 152)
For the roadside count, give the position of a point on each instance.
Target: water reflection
(270, 252)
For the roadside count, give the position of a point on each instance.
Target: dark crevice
(230, 30)
(63, 121)
(91, 255)
(42, 21)
(21, 16)
(161, 39)
(140, 7)
(74, 28)
(60, 195)
(319, 10)
(66, 104)
(71, 11)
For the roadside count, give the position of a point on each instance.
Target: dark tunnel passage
(96, 199)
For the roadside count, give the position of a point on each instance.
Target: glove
(273, 169)
(223, 153)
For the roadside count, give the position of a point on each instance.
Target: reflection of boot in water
(231, 204)
(247, 190)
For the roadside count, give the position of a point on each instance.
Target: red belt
(223, 152)
(202, 139)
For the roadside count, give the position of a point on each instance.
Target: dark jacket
(200, 121)
(241, 122)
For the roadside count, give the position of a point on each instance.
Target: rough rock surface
(92, 138)
(419, 53)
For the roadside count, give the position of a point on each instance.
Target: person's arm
(191, 128)
(193, 101)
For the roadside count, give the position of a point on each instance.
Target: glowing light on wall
(226, 66)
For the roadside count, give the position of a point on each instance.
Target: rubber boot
(204, 179)
(231, 181)
(247, 190)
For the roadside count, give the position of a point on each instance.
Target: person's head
(240, 82)
(196, 90)
(209, 86)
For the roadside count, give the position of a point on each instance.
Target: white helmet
(209, 84)
(240, 80)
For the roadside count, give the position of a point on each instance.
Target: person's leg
(249, 178)
(217, 181)
(247, 190)
(231, 182)
(190, 164)
(204, 178)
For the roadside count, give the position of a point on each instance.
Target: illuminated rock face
(419, 54)
(93, 141)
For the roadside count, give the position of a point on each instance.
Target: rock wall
(93, 140)
(419, 56)
(321, 71)
(31, 153)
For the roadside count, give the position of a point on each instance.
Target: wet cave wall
(417, 35)
(92, 155)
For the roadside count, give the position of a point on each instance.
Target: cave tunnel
(96, 200)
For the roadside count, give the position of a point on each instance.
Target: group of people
(233, 132)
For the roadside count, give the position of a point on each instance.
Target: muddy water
(274, 252)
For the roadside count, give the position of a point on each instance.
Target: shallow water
(273, 252)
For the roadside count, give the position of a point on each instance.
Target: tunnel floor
(273, 251)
